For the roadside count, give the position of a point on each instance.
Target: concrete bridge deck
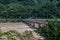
(38, 22)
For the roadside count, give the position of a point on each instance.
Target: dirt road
(20, 27)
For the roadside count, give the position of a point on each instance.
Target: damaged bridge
(35, 23)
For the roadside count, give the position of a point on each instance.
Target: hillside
(19, 9)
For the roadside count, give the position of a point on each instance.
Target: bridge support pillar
(36, 25)
(40, 25)
(32, 24)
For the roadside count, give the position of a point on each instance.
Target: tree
(51, 31)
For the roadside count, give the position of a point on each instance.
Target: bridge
(35, 23)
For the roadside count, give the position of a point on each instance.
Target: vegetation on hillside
(51, 31)
(19, 9)
(14, 35)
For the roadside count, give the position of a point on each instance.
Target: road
(20, 27)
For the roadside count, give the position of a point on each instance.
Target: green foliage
(19, 9)
(29, 37)
(14, 35)
(51, 31)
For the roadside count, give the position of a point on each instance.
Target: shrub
(51, 31)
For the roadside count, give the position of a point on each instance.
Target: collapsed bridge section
(35, 23)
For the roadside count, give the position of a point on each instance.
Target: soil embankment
(18, 26)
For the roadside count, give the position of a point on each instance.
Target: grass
(10, 20)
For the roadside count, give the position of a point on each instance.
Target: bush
(51, 31)
(14, 35)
